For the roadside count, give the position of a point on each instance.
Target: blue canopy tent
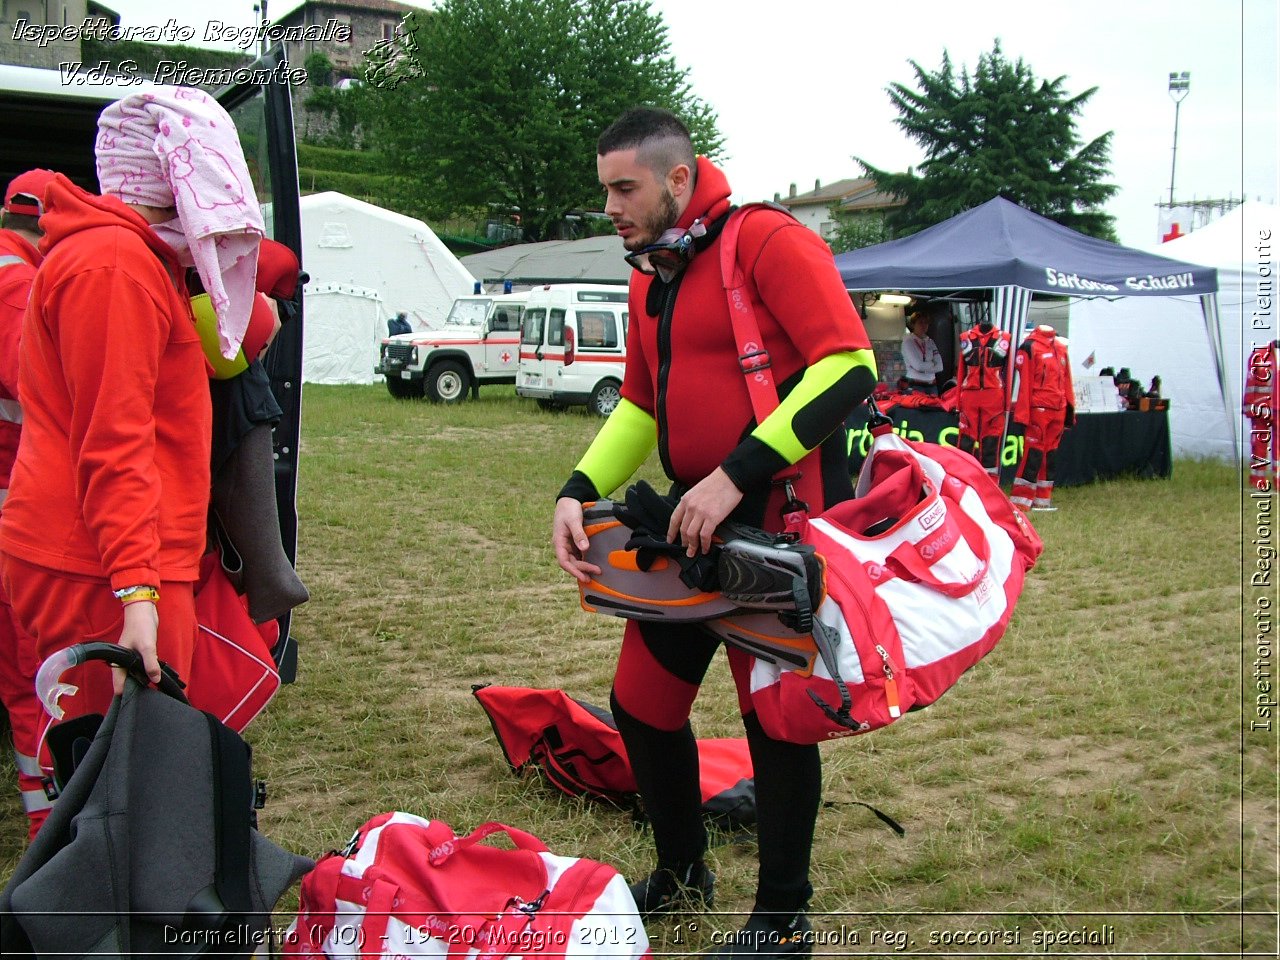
(1005, 248)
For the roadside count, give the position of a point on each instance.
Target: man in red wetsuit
(19, 257)
(984, 351)
(1045, 404)
(1261, 398)
(685, 393)
(104, 526)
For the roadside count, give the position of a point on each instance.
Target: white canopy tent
(1167, 336)
(342, 334)
(354, 250)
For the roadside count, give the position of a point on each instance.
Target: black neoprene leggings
(665, 762)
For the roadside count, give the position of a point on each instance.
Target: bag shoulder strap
(753, 356)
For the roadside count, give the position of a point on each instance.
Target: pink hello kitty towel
(177, 147)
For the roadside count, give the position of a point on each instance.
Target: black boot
(244, 499)
(769, 935)
(669, 890)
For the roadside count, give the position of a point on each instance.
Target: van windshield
(469, 312)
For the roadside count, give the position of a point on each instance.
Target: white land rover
(479, 343)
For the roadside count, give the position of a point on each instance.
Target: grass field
(1090, 778)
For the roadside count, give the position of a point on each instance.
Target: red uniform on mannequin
(984, 352)
(19, 259)
(1044, 403)
(1261, 398)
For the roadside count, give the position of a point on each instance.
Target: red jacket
(682, 361)
(18, 262)
(1044, 376)
(982, 359)
(112, 476)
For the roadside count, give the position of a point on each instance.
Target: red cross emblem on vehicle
(505, 357)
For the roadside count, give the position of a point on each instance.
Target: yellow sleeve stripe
(622, 445)
(778, 430)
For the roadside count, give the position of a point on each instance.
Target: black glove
(648, 513)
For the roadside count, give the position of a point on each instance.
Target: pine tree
(998, 132)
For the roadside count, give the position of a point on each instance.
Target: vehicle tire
(551, 406)
(605, 397)
(447, 382)
(404, 389)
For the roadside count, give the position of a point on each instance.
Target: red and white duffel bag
(923, 569)
(408, 887)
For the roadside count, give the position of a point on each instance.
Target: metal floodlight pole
(1179, 87)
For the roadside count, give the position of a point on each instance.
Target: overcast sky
(799, 84)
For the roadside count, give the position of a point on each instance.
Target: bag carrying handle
(377, 917)
(523, 841)
(906, 562)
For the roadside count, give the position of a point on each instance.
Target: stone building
(74, 17)
(367, 23)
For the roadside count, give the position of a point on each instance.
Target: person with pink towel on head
(105, 523)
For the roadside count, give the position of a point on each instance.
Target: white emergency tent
(366, 264)
(1168, 337)
(343, 330)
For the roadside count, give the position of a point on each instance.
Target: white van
(573, 346)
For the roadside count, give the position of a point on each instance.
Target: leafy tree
(997, 132)
(319, 69)
(497, 104)
(854, 231)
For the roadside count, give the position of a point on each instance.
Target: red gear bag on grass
(409, 887)
(577, 747)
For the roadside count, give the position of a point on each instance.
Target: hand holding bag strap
(523, 841)
(906, 562)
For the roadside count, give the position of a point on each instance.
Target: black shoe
(666, 891)
(769, 935)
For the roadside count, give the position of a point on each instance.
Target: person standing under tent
(920, 354)
(1044, 403)
(685, 392)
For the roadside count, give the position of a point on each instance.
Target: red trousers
(18, 694)
(1034, 481)
(1044, 431)
(59, 609)
(982, 416)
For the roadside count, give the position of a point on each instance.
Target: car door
(263, 115)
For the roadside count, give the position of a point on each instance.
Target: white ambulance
(573, 346)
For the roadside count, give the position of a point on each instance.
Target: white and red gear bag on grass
(409, 887)
(923, 568)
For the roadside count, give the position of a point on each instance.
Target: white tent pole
(1011, 306)
(1209, 307)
